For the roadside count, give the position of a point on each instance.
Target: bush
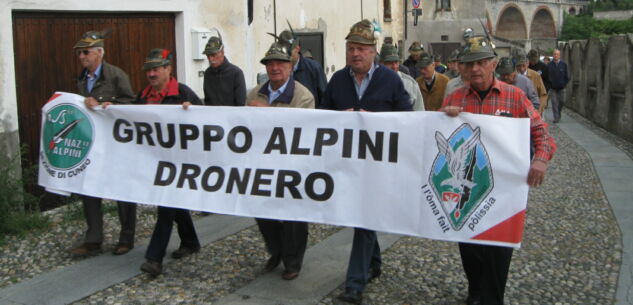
(19, 210)
(585, 27)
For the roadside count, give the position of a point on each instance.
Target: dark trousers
(486, 269)
(94, 220)
(365, 254)
(557, 98)
(287, 240)
(162, 232)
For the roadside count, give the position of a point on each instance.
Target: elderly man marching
(286, 241)
(364, 86)
(164, 89)
(389, 58)
(102, 84)
(487, 267)
(224, 83)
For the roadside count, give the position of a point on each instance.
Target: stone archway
(511, 24)
(543, 26)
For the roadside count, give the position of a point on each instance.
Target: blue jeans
(365, 254)
(162, 232)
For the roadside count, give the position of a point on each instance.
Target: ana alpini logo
(462, 176)
(67, 137)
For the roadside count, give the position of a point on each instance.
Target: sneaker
(152, 267)
(184, 251)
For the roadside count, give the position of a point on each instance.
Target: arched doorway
(511, 24)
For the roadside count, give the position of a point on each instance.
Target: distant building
(513, 24)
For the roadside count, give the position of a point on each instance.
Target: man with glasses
(102, 84)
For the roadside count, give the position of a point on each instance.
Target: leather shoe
(272, 263)
(184, 251)
(121, 249)
(373, 273)
(86, 249)
(351, 296)
(289, 275)
(152, 267)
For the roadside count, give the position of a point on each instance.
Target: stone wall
(600, 89)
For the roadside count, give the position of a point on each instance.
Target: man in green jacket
(102, 84)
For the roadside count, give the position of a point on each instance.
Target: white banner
(415, 173)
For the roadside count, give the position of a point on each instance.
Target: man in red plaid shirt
(486, 267)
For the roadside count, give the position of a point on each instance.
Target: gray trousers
(94, 220)
(557, 99)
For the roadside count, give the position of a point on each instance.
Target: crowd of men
(369, 82)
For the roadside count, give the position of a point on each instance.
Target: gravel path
(570, 253)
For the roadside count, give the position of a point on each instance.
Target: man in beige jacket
(522, 68)
(285, 240)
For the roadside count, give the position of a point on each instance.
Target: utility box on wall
(199, 38)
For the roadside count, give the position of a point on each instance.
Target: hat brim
(155, 64)
(423, 63)
(504, 70)
(360, 40)
(476, 56)
(279, 57)
(391, 58)
(88, 44)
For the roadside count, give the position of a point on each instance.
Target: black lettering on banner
(188, 132)
(348, 137)
(248, 139)
(321, 141)
(329, 186)
(295, 179)
(365, 143)
(393, 147)
(143, 130)
(122, 135)
(259, 180)
(234, 179)
(171, 135)
(277, 141)
(296, 138)
(188, 172)
(160, 172)
(212, 133)
(218, 182)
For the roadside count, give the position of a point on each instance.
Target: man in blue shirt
(364, 86)
(102, 84)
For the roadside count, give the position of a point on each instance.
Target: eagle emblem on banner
(461, 175)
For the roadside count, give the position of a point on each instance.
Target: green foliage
(19, 210)
(610, 5)
(585, 27)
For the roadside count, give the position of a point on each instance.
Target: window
(387, 8)
(443, 5)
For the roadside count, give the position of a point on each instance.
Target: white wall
(245, 45)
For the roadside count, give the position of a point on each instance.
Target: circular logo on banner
(416, 3)
(66, 136)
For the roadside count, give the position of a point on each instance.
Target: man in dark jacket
(306, 71)
(102, 84)
(165, 89)
(224, 83)
(540, 67)
(559, 77)
(415, 50)
(364, 86)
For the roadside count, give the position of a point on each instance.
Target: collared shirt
(90, 81)
(506, 100)
(296, 66)
(156, 97)
(360, 89)
(429, 83)
(274, 94)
